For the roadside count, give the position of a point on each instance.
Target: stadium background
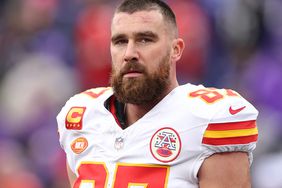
(52, 49)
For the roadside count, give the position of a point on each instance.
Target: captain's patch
(165, 145)
(74, 118)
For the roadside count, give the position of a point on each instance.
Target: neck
(135, 112)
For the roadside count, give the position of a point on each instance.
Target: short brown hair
(132, 6)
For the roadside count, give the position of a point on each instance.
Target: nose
(131, 52)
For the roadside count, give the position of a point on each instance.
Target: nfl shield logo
(119, 142)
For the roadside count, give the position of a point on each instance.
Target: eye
(145, 40)
(120, 42)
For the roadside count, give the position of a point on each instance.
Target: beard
(143, 89)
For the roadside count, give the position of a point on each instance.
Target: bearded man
(148, 131)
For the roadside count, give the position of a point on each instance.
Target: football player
(146, 130)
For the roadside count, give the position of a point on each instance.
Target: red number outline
(212, 95)
(136, 174)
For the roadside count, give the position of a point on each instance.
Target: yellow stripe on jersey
(230, 133)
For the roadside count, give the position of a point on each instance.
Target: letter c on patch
(74, 118)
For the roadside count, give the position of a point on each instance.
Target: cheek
(115, 68)
(115, 60)
(161, 61)
(117, 57)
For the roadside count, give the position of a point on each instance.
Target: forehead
(141, 20)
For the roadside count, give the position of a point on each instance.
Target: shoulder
(231, 118)
(76, 112)
(77, 105)
(90, 95)
(224, 104)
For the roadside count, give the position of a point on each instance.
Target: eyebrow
(117, 37)
(147, 34)
(136, 34)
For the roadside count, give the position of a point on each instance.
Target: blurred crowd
(52, 49)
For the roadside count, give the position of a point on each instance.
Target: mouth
(133, 70)
(132, 74)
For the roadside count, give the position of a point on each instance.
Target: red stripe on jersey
(230, 141)
(232, 126)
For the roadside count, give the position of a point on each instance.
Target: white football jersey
(164, 148)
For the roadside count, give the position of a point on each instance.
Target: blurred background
(52, 49)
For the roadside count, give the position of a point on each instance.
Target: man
(146, 130)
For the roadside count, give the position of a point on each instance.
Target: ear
(178, 46)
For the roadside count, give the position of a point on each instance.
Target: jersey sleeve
(72, 119)
(61, 118)
(69, 121)
(232, 127)
(64, 136)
